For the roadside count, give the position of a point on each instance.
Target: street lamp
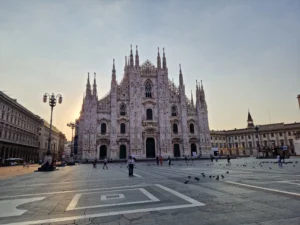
(52, 103)
(298, 100)
(72, 126)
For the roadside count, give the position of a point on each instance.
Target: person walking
(105, 163)
(279, 161)
(130, 164)
(228, 160)
(169, 160)
(157, 160)
(186, 159)
(95, 163)
(160, 160)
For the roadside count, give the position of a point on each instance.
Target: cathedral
(143, 115)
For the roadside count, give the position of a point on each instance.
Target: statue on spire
(131, 57)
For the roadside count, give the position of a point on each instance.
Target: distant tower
(250, 121)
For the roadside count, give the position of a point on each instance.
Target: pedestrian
(160, 160)
(279, 161)
(283, 157)
(169, 160)
(130, 164)
(157, 160)
(228, 160)
(185, 158)
(95, 163)
(105, 163)
(211, 158)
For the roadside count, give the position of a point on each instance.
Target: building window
(256, 135)
(122, 128)
(289, 133)
(242, 137)
(235, 137)
(221, 145)
(123, 110)
(149, 114)
(264, 135)
(249, 136)
(272, 134)
(103, 128)
(148, 89)
(174, 110)
(175, 128)
(243, 144)
(250, 144)
(280, 134)
(282, 142)
(192, 128)
(265, 143)
(236, 145)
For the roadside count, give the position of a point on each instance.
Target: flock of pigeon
(203, 175)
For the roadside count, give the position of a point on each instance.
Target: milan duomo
(144, 115)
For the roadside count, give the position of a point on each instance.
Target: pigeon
(209, 176)
(197, 179)
(217, 178)
(293, 165)
(227, 172)
(186, 182)
(189, 177)
(213, 176)
(270, 168)
(222, 176)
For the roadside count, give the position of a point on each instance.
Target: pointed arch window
(123, 110)
(148, 89)
(175, 128)
(149, 114)
(174, 110)
(192, 129)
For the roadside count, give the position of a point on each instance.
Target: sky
(247, 52)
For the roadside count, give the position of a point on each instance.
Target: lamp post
(52, 103)
(72, 126)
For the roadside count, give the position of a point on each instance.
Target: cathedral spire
(113, 76)
(95, 86)
(180, 76)
(158, 60)
(88, 87)
(192, 100)
(164, 60)
(131, 57)
(137, 61)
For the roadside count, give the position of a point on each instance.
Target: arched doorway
(123, 152)
(176, 150)
(103, 151)
(193, 150)
(150, 148)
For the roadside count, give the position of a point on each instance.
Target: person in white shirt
(279, 160)
(130, 164)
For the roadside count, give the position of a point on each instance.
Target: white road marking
(72, 191)
(262, 188)
(288, 182)
(73, 203)
(115, 196)
(134, 174)
(9, 207)
(55, 220)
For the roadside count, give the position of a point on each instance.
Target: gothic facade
(145, 114)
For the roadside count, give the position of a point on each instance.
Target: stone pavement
(251, 192)
(12, 171)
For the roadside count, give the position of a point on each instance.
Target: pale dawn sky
(246, 52)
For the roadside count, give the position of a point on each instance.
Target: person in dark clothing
(228, 160)
(157, 160)
(169, 161)
(130, 164)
